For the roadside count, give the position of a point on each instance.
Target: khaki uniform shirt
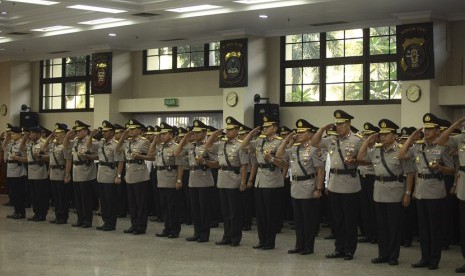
(107, 154)
(136, 172)
(198, 178)
(36, 169)
(458, 142)
(58, 155)
(266, 177)
(349, 146)
(15, 169)
(164, 158)
(389, 191)
(232, 152)
(304, 160)
(432, 188)
(88, 170)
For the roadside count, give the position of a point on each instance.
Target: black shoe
(153, 219)
(335, 254)
(235, 244)
(214, 225)
(420, 264)
(138, 232)
(188, 222)
(173, 236)
(407, 244)
(162, 235)
(77, 224)
(246, 228)
(380, 260)
(129, 230)
(53, 221)
(433, 267)
(191, 239)
(268, 247)
(202, 240)
(121, 216)
(32, 218)
(294, 251)
(109, 228)
(460, 269)
(258, 246)
(11, 216)
(364, 240)
(61, 221)
(39, 219)
(86, 225)
(306, 252)
(99, 228)
(19, 216)
(9, 203)
(349, 256)
(330, 237)
(223, 242)
(393, 262)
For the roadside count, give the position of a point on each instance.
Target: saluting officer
(200, 179)
(457, 142)
(37, 173)
(57, 156)
(137, 175)
(307, 182)
(108, 175)
(232, 179)
(269, 181)
(344, 185)
(15, 171)
(432, 161)
(84, 172)
(390, 191)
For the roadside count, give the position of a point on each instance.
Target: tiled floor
(40, 248)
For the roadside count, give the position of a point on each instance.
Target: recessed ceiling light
(93, 8)
(51, 29)
(36, 2)
(264, 16)
(4, 13)
(102, 21)
(251, 2)
(2, 49)
(111, 34)
(194, 8)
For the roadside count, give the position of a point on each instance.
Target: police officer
(390, 191)
(37, 173)
(432, 161)
(84, 171)
(344, 185)
(307, 177)
(15, 171)
(122, 193)
(456, 142)
(232, 179)
(108, 175)
(200, 180)
(57, 155)
(137, 175)
(269, 181)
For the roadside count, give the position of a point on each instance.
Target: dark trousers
(389, 217)
(306, 212)
(215, 213)
(137, 201)
(248, 206)
(40, 196)
(170, 199)
(409, 222)
(109, 203)
(185, 200)
(231, 209)
(84, 200)
(267, 206)
(17, 188)
(345, 210)
(122, 197)
(287, 208)
(450, 224)
(462, 225)
(201, 207)
(61, 193)
(430, 212)
(368, 213)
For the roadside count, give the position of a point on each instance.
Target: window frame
(63, 80)
(366, 59)
(174, 68)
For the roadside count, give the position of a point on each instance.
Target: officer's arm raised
(316, 139)
(362, 153)
(248, 138)
(406, 146)
(444, 137)
(182, 144)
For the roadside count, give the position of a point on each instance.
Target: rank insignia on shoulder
(296, 144)
(279, 138)
(420, 142)
(359, 135)
(378, 145)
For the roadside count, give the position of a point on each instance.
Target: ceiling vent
(59, 52)
(173, 39)
(146, 14)
(19, 33)
(328, 23)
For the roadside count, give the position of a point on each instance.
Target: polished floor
(40, 248)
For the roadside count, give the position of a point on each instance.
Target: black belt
(462, 168)
(40, 163)
(14, 162)
(138, 161)
(112, 165)
(61, 167)
(381, 178)
(236, 170)
(424, 176)
(352, 172)
(78, 163)
(270, 167)
(303, 177)
(196, 168)
(168, 168)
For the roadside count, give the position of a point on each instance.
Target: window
(65, 84)
(214, 119)
(340, 67)
(183, 58)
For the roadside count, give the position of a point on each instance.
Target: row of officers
(398, 166)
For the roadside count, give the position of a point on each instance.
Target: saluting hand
(255, 131)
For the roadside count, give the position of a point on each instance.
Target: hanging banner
(101, 73)
(233, 63)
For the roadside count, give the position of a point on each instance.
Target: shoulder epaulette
(296, 144)
(224, 139)
(279, 138)
(261, 136)
(420, 142)
(143, 138)
(399, 146)
(54, 141)
(240, 141)
(378, 145)
(359, 135)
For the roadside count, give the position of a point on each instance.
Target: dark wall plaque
(233, 63)
(415, 51)
(101, 73)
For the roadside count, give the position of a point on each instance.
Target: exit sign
(171, 102)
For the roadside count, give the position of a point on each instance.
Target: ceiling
(165, 28)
